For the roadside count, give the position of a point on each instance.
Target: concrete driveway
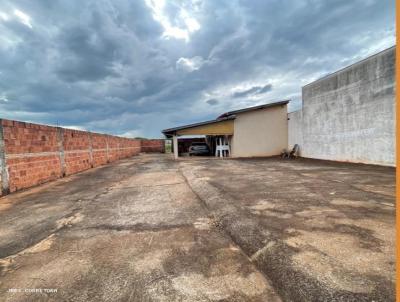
(154, 229)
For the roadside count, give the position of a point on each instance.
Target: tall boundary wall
(349, 115)
(295, 120)
(31, 154)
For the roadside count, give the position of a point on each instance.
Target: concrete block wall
(350, 115)
(31, 154)
(295, 129)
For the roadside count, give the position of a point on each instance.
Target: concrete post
(60, 142)
(4, 184)
(175, 146)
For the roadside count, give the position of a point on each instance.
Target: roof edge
(258, 107)
(169, 131)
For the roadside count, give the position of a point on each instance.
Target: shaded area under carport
(216, 132)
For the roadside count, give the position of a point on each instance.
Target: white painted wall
(350, 115)
(295, 129)
(261, 132)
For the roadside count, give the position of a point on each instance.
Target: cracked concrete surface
(153, 229)
(130, 231)
(320, 231)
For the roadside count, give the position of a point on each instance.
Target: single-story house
(250, 132)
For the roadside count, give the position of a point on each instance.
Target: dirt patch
(150, 261)
(317, 265)
(389, 190)
(151, 179)
(69, 221)
(5, 204)
(353, 203)
(203, 223)
(201, 288)
(344, 249)
(7, 263)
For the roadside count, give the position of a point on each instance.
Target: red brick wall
(153, 145)
(34, 154)
(129, 147)
(113, 146)
(99, 145)
(31, 154)
(76, 151)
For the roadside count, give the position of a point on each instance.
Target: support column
(4, 185)
(60, 142)
(175, 146)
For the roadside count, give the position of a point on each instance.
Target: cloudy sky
(135, 67)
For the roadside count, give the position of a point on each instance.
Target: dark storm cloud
(252, 91)
(132, 68)
(212, 102)
(244, 93)
(265, 89)
(86, 55)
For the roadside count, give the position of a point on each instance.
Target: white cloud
(132, 134)
(171, 31)
(189, 65)
(191, 23)
(4, 16)
(3, 98)
(23, 18)
(387, 38)
(75, 127)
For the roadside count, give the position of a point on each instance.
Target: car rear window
(199, 144)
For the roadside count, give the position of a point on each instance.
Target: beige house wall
(262, 132)
(220, 128)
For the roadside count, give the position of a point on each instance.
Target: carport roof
(230, 115)
(172, 131)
